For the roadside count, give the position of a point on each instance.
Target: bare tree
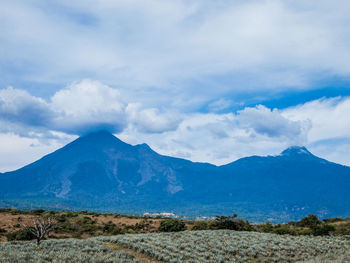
(41, 228)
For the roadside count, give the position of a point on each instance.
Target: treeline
(309, 225)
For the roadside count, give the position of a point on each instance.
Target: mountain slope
(100, 172)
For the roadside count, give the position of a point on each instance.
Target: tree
(310, 221)
(41, 228)
(171, 225)
(231, 223)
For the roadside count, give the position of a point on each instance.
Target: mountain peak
(101, 137)
(296, 150)
(100, 133)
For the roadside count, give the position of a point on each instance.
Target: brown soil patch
(123, 220)
(13, 223)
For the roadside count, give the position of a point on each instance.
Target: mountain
(100, 172)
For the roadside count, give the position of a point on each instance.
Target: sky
(209, 81)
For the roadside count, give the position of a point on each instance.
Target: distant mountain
(100, 172)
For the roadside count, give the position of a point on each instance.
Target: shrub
(322, 230)
(2, 231)
(111, 229)
(231, 223)
(266, 228)
(23, 234)
(309, 221)
(171, 225)
(38, 212)
(200, 225)
(283, 229)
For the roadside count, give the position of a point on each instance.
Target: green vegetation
(309, 225)
(231, 223)
(85, 224)
(172, 225)
(200, 225)
(23, 234)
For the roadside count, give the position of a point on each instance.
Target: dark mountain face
(100, 172)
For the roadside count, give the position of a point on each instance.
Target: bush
(231, 223)
(2, 231)
(23, 234)
(111, 229)
(171, 225)
(310, 221)
(266, 228)
(200, 225)
(38, 212)
(283, 229)
(323, 230)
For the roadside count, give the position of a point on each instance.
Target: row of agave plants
(186, 246)
(235, 246)
(64, 250)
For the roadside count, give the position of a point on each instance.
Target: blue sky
(208, 81)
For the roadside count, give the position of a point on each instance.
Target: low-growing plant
(231, 223)
(309, 221)
(111, 229)
(2, 231)
(172, 225)
(323, 230)
(200, 225)
(22, 234)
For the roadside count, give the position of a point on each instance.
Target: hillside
(99, 172)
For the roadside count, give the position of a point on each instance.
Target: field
(186, 246)
(91, 237)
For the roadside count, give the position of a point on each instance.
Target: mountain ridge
(99, 171)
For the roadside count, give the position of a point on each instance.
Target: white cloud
(248, 45)
(330, 125)
(81, 107)
(18, 106)
(268, 122)
(88, 105)
(329, 117)
(150, 120)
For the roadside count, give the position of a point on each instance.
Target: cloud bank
(219, 48)
(79, 108)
